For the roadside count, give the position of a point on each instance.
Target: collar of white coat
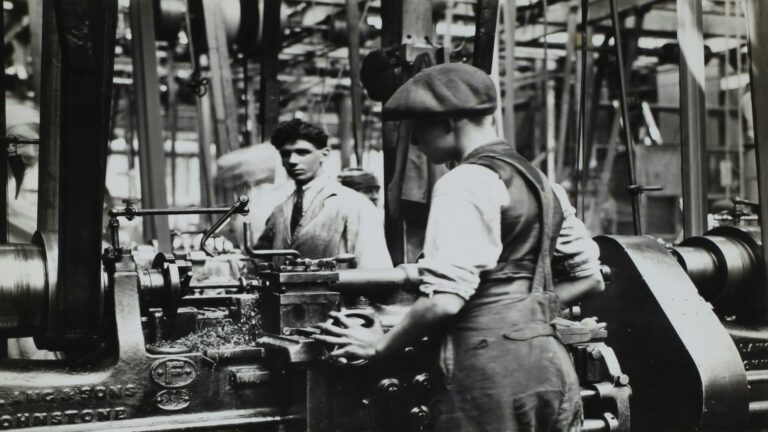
(316, 183)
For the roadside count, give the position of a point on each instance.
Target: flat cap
(446, 89)
(356, 178)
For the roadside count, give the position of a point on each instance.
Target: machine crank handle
(266, 253)
(638, 189)
(239, 207)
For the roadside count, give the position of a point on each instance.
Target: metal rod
(239, 207)
(692, 116)
(3, 149)
(373, 280)
(582, 156)
(565, 96)
(510, 24)
(269, 90)
(223, 91)
(757, 376)
(169, 211)
(10, 140)
(758, 408)
(196, 30)
(215, 286)
(151, 152)
(624, 109)
(353, 38)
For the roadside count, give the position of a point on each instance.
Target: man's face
(435, 139)
(302, 160)
(372, 192)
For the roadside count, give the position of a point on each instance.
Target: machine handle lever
(266, 253)
(239, 207)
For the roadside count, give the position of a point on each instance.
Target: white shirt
(463, 234)
(311, 190)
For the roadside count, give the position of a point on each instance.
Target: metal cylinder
(757, 376)
(758, 408)
(699, 263)
(721, 264)
(23, 290)
(373, 280)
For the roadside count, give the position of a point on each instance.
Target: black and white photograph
(384, 215)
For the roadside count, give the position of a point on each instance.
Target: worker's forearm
(424, 316)
(573, 291)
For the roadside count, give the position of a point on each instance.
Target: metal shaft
(625, 116)
(692, 116)
(375, 279)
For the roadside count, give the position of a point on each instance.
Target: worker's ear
(325, 151)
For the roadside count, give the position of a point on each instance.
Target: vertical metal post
(391, 36)
(50, 103)
(447, 37)
(36, 44)
(757, 14)
(510, 24)
(197, 44)
(353, 38)
(223, 91)
(565, 97)
(345, 129)
(172, 118)
(205, 132)
(485, 33)
(634, 193)
(151, 151)
(269, 91)
(692, 116)
(3, 148)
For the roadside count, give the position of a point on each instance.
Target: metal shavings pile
(227, 334)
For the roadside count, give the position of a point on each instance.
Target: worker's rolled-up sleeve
(576, 255)
(463, 234)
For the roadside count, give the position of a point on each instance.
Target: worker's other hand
(351, 339)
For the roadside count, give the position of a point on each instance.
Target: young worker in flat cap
(362, 181)
(322, 218)
(487, 277)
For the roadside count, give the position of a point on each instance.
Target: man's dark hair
(296, 129)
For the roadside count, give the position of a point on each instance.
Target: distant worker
(23, 121)
(321, 218)
(362, 181)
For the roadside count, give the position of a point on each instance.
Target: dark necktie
(298, 208)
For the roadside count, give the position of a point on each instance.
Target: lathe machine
(145, 368)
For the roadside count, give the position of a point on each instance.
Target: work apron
(504, 369)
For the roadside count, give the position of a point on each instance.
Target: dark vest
(518, 292)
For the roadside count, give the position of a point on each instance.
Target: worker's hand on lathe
(353, 340)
